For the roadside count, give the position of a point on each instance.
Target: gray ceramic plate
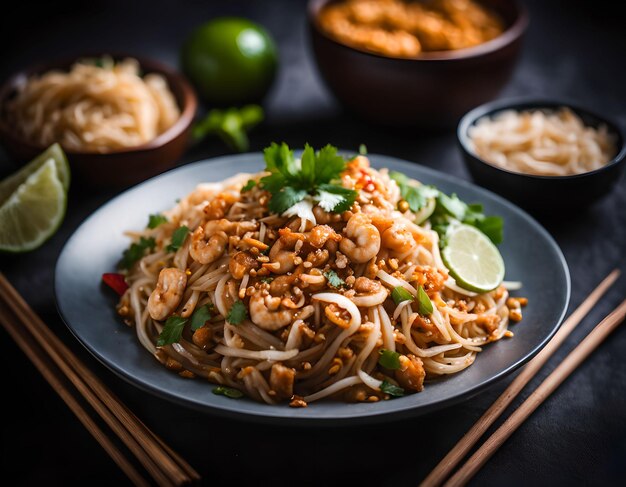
(530, 253)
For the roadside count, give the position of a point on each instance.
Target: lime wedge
(34, 211)
(472, 259)
(54, 152)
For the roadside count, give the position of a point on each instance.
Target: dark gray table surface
(574, 51)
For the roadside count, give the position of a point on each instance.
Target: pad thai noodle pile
(319, 277)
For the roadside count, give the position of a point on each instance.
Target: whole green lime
(230, 60)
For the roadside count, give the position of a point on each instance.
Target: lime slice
(34, 211)
(472, 259)
(54, 152)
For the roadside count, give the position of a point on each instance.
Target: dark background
(574, 51)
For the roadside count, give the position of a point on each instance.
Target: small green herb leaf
(448, 209)
(425, 305)
(228, 392)
(363, 149)
(391, 389)
(178, 238)
(335, 198)
(399, 294)
(172, 331)
(237, 313)
(328, 164)
(249, 185)
(200, 317)
(267, 280)
(493, 227)
(285, 199)
(136, 251)
(333, 279)
(389, 359)
(156, 220)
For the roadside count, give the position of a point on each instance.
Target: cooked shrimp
(282, 254)
(320, 234)
(411, 373)
(168, 293)
(362, 240)
(265, 312)
(397, 237)
(207, 251)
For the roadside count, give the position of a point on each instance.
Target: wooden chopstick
(164, 465)
(54, 377)
(445, 467)
(547, 387)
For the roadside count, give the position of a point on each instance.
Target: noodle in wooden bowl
(119, 118)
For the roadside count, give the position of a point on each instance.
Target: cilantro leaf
(391, 389)
(280, 158)
(416, 196)
(285, 199)
(424, 304)
(273, 182)
(389, 359)
(248, 186)
(333, 197)
(230, 392)
(328, 164)
(333, 279)
(311, 177)
(172, 331)
(156, 220)
(493, 227)
(178, 238)
(136, 251)
(200, 317)
(307, 165)
(237, 313)
(448, 209)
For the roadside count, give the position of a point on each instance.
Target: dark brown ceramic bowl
(116, 168)
(433, 90)
(545, 195)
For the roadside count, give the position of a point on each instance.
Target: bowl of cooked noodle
(120, 119)
(546, 156)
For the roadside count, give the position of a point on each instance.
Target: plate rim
(370, 417)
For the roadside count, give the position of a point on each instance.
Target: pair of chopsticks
(443, 470)
(62, 370)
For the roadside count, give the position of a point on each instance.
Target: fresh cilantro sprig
(175, 324)
(136, 251)
(314, 176)
(237, 313)
(447, 209)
